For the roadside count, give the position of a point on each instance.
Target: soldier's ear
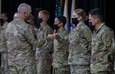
(96, 20)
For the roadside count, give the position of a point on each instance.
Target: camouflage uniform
(5, 25)
(102, 56)
(3, 51)
(79, 51)
(20, 42)
(60, 54)
(44, 53)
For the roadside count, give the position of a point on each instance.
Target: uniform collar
(101, 25)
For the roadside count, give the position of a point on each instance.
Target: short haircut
(62, 19)
(96, 12)
(23, 7)
(81, 13)
(45, 12)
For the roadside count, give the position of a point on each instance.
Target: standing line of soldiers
(27, 49)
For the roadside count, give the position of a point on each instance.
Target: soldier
(79, 44)
(20, 43)
(3, 51)
(60, 55)
(103, 45)
(4, 20)
(31, 20)
(44, 53)
(4, 63)
(4, 55)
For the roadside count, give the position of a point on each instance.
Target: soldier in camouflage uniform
(4, 18)
(4, 55)
(44, 53)
(103, 45)
(20, 41)
(31, 20)
(4, 63)
(60, 55)
(79, 44)
(0, 47)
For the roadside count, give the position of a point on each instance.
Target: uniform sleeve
(109, 47)
(49, 31)
(64, 39)
(49, 43)
(108, 39)
(87, 34)
(32, 40)
(88, 37)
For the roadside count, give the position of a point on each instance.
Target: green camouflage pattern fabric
(5, 25)
(44, 66)
(79, 49)
(21, 45)
(0, 27)
(3, 51)
(104, 72)
(61, 70)
(103, 47)
(60, 55)
(44, 53)
(80, 69)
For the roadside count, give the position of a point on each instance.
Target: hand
(52, 36)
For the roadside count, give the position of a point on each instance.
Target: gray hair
(23, 7)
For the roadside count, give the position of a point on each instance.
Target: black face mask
(1, 22)
(56, 27)
(91, 26)
(27, 16)
(39, 20)
(27, 22)
(75, 21)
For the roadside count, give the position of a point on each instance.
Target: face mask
(28, 18)
(39, 20)
(27, 22)
(1, 22)
(37, 25)
(91, 26)
(56, 27)
(27, 15)
(75, 21)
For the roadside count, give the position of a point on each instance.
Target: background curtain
(10, 6)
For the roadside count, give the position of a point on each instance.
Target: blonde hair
(81, 13)
(45, 12)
